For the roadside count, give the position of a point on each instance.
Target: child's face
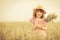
(38, 14)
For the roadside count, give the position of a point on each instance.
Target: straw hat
(39, 7)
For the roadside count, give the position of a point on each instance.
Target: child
(38, 19)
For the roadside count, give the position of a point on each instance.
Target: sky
(21, 10)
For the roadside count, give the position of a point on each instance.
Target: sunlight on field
(23, 31)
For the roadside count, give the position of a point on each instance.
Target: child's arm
(41, 26)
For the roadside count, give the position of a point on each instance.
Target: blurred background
(21, 10)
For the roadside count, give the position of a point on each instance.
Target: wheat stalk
(50, 17)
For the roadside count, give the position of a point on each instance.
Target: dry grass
(23, 31)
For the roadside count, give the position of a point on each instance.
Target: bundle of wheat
(50, 17)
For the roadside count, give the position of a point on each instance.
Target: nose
(39, 14)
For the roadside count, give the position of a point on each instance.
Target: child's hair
(39, 10)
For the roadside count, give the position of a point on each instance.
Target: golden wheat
(23, 31)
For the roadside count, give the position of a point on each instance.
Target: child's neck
(38, 19)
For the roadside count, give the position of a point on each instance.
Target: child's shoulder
(32, 18)
(43, 20)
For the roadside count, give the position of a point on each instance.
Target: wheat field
(23, 31)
